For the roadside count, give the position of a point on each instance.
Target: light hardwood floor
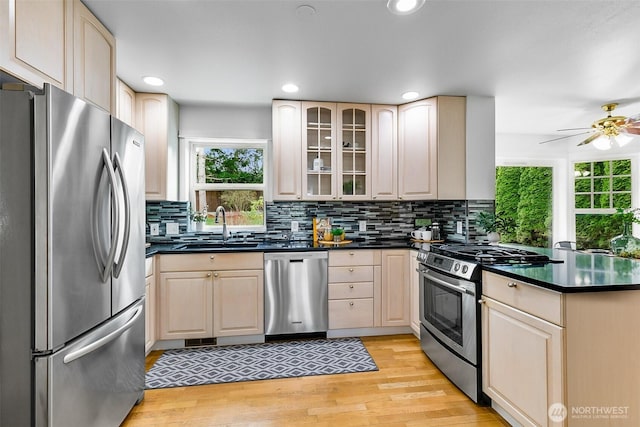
(406, 391)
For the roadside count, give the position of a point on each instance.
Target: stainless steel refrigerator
(71, 262)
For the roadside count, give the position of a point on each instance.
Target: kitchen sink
(215, 245)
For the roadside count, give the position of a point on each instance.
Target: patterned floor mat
(249, 362)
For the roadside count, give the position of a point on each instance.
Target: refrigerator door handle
(105, 270)
(117, 163)
(74, 355)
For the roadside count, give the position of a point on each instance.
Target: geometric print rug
(249, 362)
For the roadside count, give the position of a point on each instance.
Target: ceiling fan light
(404, 7)
(623, 139)
(602, 143)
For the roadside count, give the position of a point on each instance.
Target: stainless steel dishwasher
(296, 291)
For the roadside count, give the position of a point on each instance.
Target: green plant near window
(492, 223)
(198, 216)
(627, 216)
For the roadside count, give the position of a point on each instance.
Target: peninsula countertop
(579, 271)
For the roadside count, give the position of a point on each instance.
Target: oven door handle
(445, 284)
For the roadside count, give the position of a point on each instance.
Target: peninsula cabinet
(543, 348)
(157, 118)
(395, 286)
(417, 150)
(35, 44)
(211, 295)
(94, 59)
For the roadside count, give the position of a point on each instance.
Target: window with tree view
(600, 188)
(230, 175)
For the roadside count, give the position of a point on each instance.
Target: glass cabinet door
(355, 147)
(319, 158)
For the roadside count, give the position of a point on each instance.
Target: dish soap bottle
(318, 164)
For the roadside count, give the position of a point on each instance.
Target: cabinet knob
(481, 301)
(208, 274)
(351, 270)
(352, 253)
(399, 197)
(350, 286)
(334, 197)
(373, 197)
(215, 274)
(512, 284)
(351, 303)
(297, 197)
(212, 257)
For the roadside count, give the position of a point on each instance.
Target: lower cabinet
(218, 300)
(395, 301)
(238, 303)
(186, 305)
(414, 291)
(150, 305)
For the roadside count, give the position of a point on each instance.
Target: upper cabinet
(417, 150)
(287, 119)
(319, 160)
(94, 58)
(157, 117)
(354, 146)
(125, 103)
(384, 152)
(62, 43)
(35, 41)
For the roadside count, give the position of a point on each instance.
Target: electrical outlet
(154, 229)
(294, 226)
(172, 228)
(459, 227)
(362, 225)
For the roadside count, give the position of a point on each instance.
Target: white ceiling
(549, 64)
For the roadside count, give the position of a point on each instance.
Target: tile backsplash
(385, 220)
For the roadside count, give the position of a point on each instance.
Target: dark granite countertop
(271, 246)
(579, 271)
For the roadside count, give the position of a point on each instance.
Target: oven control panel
(458, 268)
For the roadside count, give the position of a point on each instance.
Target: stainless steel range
(450, 287)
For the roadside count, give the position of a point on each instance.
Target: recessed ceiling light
(153, 81)
(290, 88)
(410, 95)
(404, 7)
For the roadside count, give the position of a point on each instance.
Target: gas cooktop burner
(490, 254)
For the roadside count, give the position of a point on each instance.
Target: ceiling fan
(608, 130)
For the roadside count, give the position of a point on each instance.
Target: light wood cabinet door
(414, 283)
(35, 43)
(126, 104)
(157, 118)
(351, 313)
(353, 145)
(287, 143)
(384, 152)
(417, 150)
(395, 308)
(150, 313)
(186, 305)
(522, 365)
(238, 303)
(94, 59)
(319, 143)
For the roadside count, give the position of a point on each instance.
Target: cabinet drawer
(212, 261)
(351, 274)
(350, 290)
(539, 302)
(351, 313)
(355, 257)
(148, 266)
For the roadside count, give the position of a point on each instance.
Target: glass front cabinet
(337, 151)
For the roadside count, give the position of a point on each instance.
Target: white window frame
(188, 170)
(601, 211)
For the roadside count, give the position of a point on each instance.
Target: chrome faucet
(225, 232)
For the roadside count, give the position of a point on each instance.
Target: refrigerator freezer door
(127, 147)
(72, 217)
(96, 380)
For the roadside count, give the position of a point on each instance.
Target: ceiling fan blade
(561, 130)
(630, 130)
(563, 137)
(591, 138)
(633, 119)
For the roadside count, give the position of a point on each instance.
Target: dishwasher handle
(296, 260)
